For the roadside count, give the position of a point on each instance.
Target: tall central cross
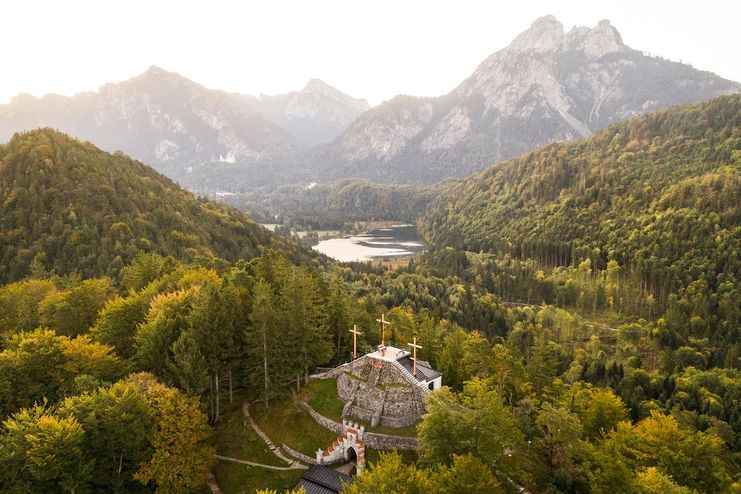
(383, 322)
(355, 334)
(414, 356)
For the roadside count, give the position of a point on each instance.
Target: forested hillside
(69, 207)
(650, 206)
(106, 390)
(331, 206)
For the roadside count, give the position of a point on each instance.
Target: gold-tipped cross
(355, 334)
(383, 322)
(414, 356)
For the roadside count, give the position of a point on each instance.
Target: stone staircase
(409, 377)
(334, 453)
(339, 450)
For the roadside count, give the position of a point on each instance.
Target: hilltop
(68, 206)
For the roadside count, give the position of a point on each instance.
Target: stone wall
(402, 407)
(328, 423)
(387, 442)
(359, 367)
(346, 387)
(380, 395)
(299, 456)
(372, 440)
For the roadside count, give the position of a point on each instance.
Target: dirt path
(275, 449)
(211, 481)
(293, 466)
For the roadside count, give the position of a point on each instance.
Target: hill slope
(660, 194)
(67, 206)
(546, 86)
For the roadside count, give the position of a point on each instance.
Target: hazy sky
(371, 49)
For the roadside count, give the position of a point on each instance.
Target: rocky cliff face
(315, 115)
(547, 85)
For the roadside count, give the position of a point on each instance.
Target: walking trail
(211, 480)
(293, 464)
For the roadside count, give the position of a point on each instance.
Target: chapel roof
(425, 372)
(319, 479)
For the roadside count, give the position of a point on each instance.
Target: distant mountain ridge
(546, 86)
(315, 115)
(185, 130)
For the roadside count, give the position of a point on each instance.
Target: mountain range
(185, 130)
(547, 85)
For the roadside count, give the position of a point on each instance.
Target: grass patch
(355, 378)
(234, 439)
(226, 407)
(234, 478)
(286, 422)
(321, 395)
(393, 385)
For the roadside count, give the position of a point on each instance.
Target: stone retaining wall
(387, 442)
(372, 440)
(299, 456)
(379, 395)
(325, 422)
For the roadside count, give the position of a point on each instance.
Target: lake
(382, 243)
(301, 233)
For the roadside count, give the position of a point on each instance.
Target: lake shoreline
(392, 244)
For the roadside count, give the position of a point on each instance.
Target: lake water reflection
(383, 243)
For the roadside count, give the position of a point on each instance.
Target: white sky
(372, 49)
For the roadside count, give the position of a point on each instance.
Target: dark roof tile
(424, 372)
(319, 479)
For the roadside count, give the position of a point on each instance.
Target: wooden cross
(383, 322)
(355, 334)
(414, 356)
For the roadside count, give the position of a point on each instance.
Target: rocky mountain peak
(545, 34)
(314, 115)
(319, 86)
(158, 73)
(154, 69)
(595, 42)
(546, 86)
